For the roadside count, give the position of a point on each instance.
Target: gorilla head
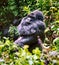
(36, 15)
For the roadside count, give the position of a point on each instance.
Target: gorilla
(31, 28)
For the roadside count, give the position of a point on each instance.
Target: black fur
(30, 27)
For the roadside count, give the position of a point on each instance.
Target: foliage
(13, 8)
(12, 54)
(13, 31)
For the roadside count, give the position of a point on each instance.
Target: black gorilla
(30, 27)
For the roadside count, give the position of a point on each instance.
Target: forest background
(15, 10)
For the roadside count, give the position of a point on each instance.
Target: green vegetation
(11, 54)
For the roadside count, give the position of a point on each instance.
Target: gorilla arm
(21, 41)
